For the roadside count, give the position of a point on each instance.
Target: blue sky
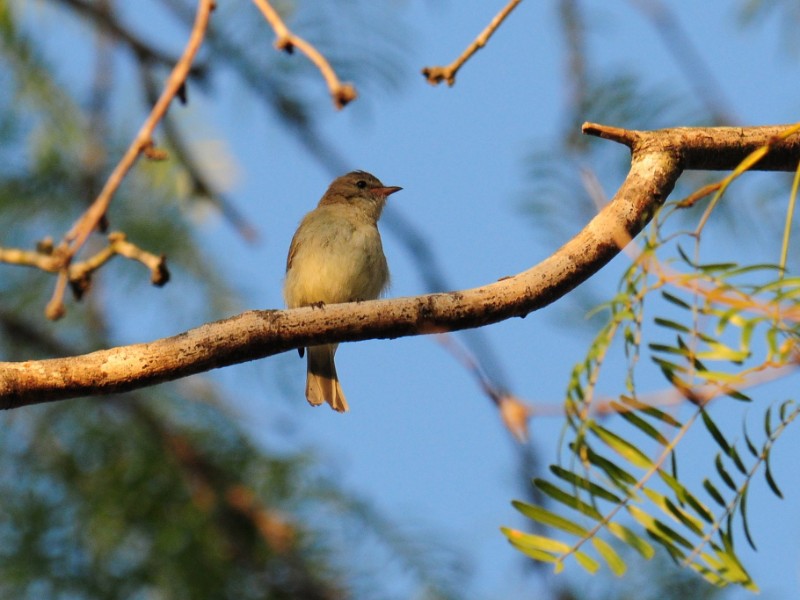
(421, 441)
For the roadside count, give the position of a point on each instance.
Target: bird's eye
(361, 184)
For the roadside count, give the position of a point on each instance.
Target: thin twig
(342, 93)
(78, 274)
(436, 75)
(201, 187)
(76, 237)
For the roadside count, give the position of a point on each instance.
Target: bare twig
(342, 93)
(436, 75)
(201, 186)
(76, 237)
(78, 274)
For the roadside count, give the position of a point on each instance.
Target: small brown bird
(336, 256)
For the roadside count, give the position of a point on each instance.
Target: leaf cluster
(727, 327)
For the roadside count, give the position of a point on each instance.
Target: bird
(336, 255)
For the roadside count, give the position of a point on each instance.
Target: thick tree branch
(658, 159)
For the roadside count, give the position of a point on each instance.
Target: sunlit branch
(78, 274)
(658, 159)
(143, 142)
(201, 186)
(342, 93)
(436, 75)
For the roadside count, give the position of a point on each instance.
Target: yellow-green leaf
(550, 519)
(622, 447)
(630, 538)
(613, 560)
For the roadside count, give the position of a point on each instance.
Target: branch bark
(657, 160)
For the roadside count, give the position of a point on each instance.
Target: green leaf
(772, 342)
(737, 395)
(650, 411)
(660, 531)
(715, 432)
(743, 512)
(669, 369)
(719, 351)
(714, 492)
(719, 376)
(685, 257)
(541, 543)
(550, 519)
(617, 475)
(750, 445)
(640, 423)
(716, 267)
(584, 484)
(588, 563)
(787, 417)
(672, 325)
(675, 300)
(548, 550)
(516, 538)
(768, 422)
(770, 480)
(724, 474)
(683, 495)
(630, 538)
(613, 560)
(678, 514)
(737, 460)
(622, 447)
(670, 349)
(573, 502)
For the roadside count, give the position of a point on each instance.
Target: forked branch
(142, 144)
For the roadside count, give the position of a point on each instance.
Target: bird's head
(359, 189)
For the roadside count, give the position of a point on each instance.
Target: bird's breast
(335, 260)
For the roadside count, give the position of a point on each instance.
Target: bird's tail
(322, 383)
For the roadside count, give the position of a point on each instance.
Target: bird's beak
(385, 191)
